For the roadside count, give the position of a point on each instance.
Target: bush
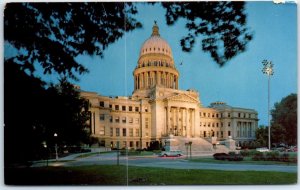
(235, 157)
(284, 157)
(258, 156)
(272, 156)
(220, 156)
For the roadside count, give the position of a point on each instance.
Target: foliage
(284, 121)
(261, 134)
(221, 25)
(53, 34)
(274, 156)
(33, 113)
(231, 156)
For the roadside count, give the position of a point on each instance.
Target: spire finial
(155, 29)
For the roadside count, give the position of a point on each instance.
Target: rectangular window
(111, 131)
(137, 144)
(137, 109)
(137, 132)
(110, 119)
(228, 114)
(130, 120)
(217, 124)
(123, 108)
(124, 132)
(131, 132)
(146, 109)
(117, 132)
(229, 124)
(146, 123)
(102, 117)
(204, 133)
(229, 133)
(124, 144)
(204, 114)
(208, 125)
(221, 134)
(110, 106)
(200, 124)
(124, 120)
(101, 131)
(239, 115)
(208, 114)
(101, 104)
(116, 107)
(200, 114)
(217, 115)
(204, 124)
(213, 124)
(131, 144)
(221, 124)
(117, 119)
(213, 115)
(130, 108)
(136, 121)
(146, 134)
(217, 133)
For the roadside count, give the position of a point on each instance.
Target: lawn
(117, 175)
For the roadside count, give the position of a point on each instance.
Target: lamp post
(268, 70)
(56, 155)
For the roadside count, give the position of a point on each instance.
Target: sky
(240, 83)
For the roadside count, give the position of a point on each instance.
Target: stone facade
(157, 108)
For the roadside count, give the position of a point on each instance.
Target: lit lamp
(268, 70)
(56, 155)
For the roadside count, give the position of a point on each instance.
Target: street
(162, 162)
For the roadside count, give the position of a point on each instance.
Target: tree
(261, 134)
(284, 120)
(222, 26)
(53, 34)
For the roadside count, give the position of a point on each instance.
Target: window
(110, 106)
(124, 132)
(130, 108)
(229, 124)
(217, 133)
(123, 108)
(131, 132)
(213, 124)
(146, 123)
(204, 133)
(124, 120)
(130, 120)
(229, 133)
(102, 117)
(239, 115)
(101, 131)
(146, 134)
(131, 144)
(208, 125)
(124, 144)
(221, 124)
(200, 124)
(204, 124)
(117, 119)
(200, 114)
(213, 115)
(204, 114)
(101, 104)
(217, 115)
(111, 131)
(137, 132)
(221, 134)
(116, 107)
(228, 114)
(137, 144)
(146, 109)
(136, 121)
(117, 132)
(137, 109)
(110, 119)
(208, 114)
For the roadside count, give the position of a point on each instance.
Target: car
(263, 149)
(171, 153)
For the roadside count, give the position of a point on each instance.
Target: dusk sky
(240, 83)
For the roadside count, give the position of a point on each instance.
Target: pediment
(182, 98)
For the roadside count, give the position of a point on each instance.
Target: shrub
(258, 156)
(284, 157)
(235, 157)
(220, 156)
(272, 156)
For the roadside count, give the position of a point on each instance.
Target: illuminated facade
(158, 109)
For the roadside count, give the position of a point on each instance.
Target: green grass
(117, 175)
(247, 160)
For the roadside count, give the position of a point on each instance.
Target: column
(168, 120)
(177, 120)
(188, 126)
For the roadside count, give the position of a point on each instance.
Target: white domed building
(158, 110)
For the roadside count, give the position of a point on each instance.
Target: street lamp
(268, 70)
(56, 155)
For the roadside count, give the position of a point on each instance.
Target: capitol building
(158, 110)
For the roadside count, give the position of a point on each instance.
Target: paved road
(155, 161)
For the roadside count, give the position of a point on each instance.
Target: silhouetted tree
(261, 134)
(221, 26)
(53, 34)
(284, 121)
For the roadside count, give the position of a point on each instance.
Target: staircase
(200, 146)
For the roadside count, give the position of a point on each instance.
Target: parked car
(171, 153)
(263, 149)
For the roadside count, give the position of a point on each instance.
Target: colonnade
(180, 121)
(149, 79)
(245, 129)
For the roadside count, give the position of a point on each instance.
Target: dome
(156, 44)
